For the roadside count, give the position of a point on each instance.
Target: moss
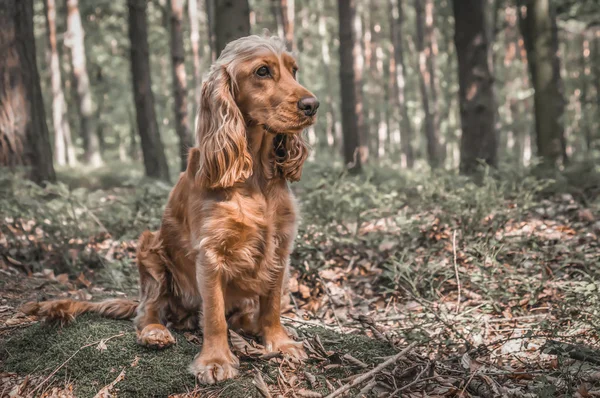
(41, 349)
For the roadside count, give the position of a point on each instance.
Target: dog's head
(253, 83)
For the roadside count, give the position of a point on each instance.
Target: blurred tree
(424, 17)
(24, 137)
(231, 21)
(195, 40)
(182, 127)
(64, 152)
(332, 132)
(539, 30)
(351, 111)
(596, 77)
(155, 161)
(285, 21)
(477, 105)
(85, 106)
(583, 97)
(398, 76)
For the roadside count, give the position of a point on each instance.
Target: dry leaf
(240, 345)
(261, 386)
(102, 346)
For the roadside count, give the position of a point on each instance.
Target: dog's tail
(66, 310)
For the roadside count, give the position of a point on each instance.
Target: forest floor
(492, 284)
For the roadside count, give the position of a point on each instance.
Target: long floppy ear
(224, 158)
(291, 150)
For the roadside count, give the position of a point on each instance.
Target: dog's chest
(249, 239)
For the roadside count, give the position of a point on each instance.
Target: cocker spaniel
(221, 256)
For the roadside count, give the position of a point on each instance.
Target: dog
(221, 256)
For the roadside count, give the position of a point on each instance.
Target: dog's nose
(308, 105)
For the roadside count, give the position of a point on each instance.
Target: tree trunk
(398, 75)
(596, 71)
(540, 34)
(333, 132)
(24, 138)
(584, 78)
(85, 106)
(286, 9)
(425, 81)
(153, 151)
(180, 82)
(64, 152)
(231, 21)
(195, 40)
(477, 106)
(350, 111)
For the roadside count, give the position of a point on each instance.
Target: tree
(231, 21)
(398, 75)
(285, 20)
(477, 105)
(426, 79)
(182, 127)
(195, 40)
(155, 161)
(85, 106)
(348, 86)
(64, 152)
(24, 138)
(539, 30)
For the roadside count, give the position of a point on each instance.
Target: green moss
(41, 349)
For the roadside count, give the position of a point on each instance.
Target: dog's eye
(294, 72)
(263, 71)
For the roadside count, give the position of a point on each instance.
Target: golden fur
(230, 221)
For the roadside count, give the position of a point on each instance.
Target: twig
(71, 357)
(106, 390)
(412, 383)
(311, 323)
(456, 270)
(368, 375)
(330, 301)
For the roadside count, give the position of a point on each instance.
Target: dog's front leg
(215, 362)
(274, 335)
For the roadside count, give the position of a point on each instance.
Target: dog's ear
(291, 150)
(223, 148)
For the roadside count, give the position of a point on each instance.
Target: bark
(539, 30)
(24, 137)
(513, 107)
(350, 111)
(195, 41)
(477, 105)
(64, 153)
(585, 76)
(398, 76)
(286, 18)
(155, 161)
(425, 82)
(334, 136)
(597, 76)
(85, 106)
(182, 127)
(231, 21)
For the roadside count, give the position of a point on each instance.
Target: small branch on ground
(368, 375)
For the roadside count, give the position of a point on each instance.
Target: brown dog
(226, 236)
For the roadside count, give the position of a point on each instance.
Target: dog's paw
(155, 336)
(286, 346)
(213, 367)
